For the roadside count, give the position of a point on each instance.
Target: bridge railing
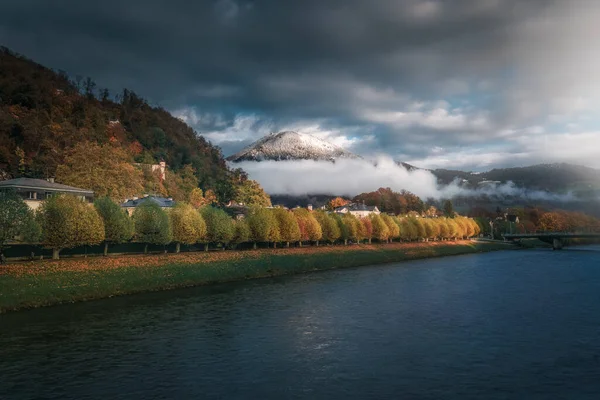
(550, 233)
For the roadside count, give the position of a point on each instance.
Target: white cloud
(352, 177)
(436, 118)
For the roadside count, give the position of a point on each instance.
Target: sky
(464, 84)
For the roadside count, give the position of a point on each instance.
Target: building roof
(357, 207)
(161, 201)
(30, 183)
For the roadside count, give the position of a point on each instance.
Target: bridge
(556, 239)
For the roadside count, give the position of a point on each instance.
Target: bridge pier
(557, 244)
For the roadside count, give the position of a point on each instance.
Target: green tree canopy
(16, 219)
(219, 225)
(242, 231)
(152, 224)
(329, 227)
(448, 209)
(263, 225)
(343, 228)
(68, 222)
(118, 227)
(418, 227)
(353, 226)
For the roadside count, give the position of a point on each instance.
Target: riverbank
(48, 282)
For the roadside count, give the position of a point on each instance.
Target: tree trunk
(177, 247)
(345, 242)
(317, 243)
(274, 245)
(105, 249)
(254, 246)
(55, 255)
(287, 244)
(146, 248)
(369, 240)
(206, 247)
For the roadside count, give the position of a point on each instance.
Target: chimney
(309, 207)
(51, 180)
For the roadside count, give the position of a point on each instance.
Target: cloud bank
(352, 177)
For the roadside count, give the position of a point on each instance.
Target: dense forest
(50, 122)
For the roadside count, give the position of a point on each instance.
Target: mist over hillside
(292, 164)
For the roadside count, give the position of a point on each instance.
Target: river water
(522, 324)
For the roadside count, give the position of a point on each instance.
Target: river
(511, 324)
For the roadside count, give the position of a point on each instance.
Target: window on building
(32, 195)
(48, 195)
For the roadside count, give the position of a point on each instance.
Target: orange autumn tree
(337, 202)
(198, 198)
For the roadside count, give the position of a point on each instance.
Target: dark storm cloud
(398, 74)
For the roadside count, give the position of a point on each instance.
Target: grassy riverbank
(43, 283)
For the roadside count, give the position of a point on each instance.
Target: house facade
(163, 202)
(34, 191)
(358, 210)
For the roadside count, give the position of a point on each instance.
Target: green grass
(48, 288)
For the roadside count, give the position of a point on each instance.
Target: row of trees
(66, 222)
(533, 219)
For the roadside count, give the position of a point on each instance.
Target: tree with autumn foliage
(393, 228)
(310, 229)
(366, 229)
(250, 193)
(289, 231)
(380, 230)
(392, 202)
(552, 221)
(337, 202)
(69, 222)
(105, 169)
(187, 224)
(118, 227)
(179, 185)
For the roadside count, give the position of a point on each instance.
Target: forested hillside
(50, 123)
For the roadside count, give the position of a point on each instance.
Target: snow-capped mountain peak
(290, 145)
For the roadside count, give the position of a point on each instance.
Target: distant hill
(290, 145)
(44, 113)
(556, 178)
